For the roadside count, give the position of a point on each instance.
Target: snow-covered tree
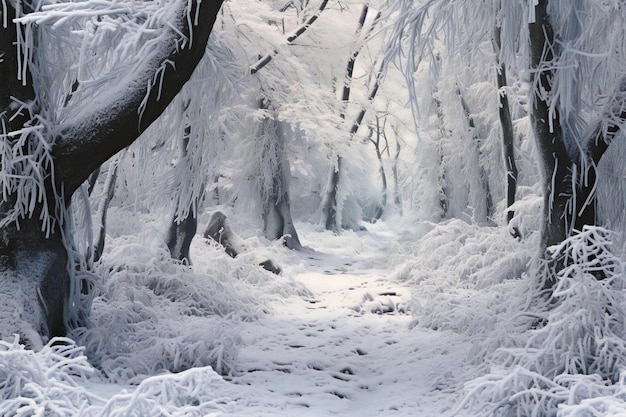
(79, 82)
(577, 96)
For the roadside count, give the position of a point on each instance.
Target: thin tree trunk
(103, 208)
(330, 204)
(397, 199)
(506, 124)
(381, 168)
(476, 141)
(443, 194)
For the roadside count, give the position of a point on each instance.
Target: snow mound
(43, 382)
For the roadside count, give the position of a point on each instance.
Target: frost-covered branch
(263, 61)
(610, 124)
(116, 118)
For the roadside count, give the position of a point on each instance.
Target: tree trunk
(441, 175)
(555, 161)
(34, 266)
(277, 220)
(506, 125)
(569, 179)
(330, 204)
(179, 236)
(103, 208)
(181, 232)
(381, 168)
(35, 283)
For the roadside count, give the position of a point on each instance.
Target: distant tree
(47, 153)
(331, 205)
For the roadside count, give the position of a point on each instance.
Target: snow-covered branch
(263, 61)
(174, 42)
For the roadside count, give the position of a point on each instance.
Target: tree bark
(506, 125)
(554, 158)
(34, 265)
(569, 179)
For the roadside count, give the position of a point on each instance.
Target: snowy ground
(349, 348)
(336, 334)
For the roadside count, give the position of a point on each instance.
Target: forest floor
(351, 348)
(336, 334)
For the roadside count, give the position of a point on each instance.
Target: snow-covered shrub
(189, 393)
(462, 273)
(154, 315)
(579, 353)
(43, 382)
(56, 381)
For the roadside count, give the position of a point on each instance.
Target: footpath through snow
(350, 348)
(333, 336)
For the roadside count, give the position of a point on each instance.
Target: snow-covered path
(348, 349)
(337, 337)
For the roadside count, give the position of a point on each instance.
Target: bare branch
(263, 61)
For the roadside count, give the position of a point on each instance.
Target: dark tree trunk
(556, 162)
(329, 204)
(181, 232)
(179, 237)
(381, 167)
(35, 281)
(569, 178)
(508, 136)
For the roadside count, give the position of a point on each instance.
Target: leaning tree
(47, 153)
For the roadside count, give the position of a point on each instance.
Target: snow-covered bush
(55, 381)
(32, 383)
(461, 274)
(577, 350)
(155, 315)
